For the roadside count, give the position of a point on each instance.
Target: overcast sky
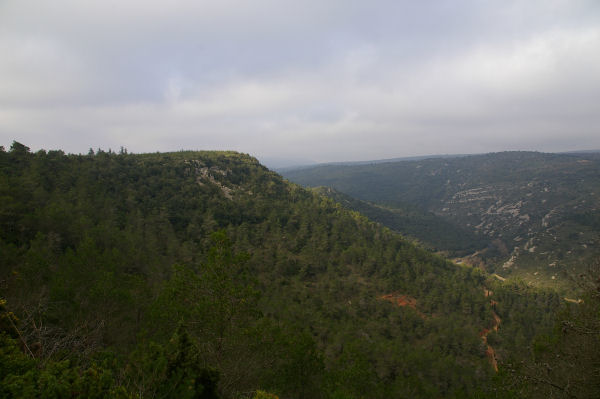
(322, 80)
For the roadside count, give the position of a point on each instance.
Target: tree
(217, 304)
(566, 363)
(19, 149)
(171, 370)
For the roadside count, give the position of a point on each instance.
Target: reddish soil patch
(400, 300)
(497, 321)
(490, 352)
(403, 300)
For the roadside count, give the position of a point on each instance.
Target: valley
(535, 215)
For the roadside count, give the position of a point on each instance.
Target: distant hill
(277, 163)
(540, 211)
(288, 167)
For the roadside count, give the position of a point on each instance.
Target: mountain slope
(431, 230)
(129, 262)
(539, 210)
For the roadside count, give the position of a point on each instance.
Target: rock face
(540, 212)
(545, 208)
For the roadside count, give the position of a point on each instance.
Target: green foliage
(433, 231)
(172, 370)
(525, 313)
(565, 362)
(20, 377)
(539, 210)
(193, 265)
(264, 395)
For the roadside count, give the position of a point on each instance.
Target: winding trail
(405, 300)
(490, 352)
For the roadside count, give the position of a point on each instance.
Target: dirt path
(490, 352)
(573, 300)
(405, 300)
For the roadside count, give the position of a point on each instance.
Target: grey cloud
(325, 80)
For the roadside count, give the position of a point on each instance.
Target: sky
(301, 81)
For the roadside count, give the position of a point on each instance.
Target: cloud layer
(324, 80)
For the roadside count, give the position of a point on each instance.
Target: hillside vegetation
(204, 274)
(538, 212)
(430, 230)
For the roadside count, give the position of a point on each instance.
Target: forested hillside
(538, 212)
(204, 274)
(431, 230)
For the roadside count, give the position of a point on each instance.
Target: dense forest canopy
(524, 215)
(204, 274)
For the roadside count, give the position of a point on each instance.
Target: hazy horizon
(326, 81)
(275, 162)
